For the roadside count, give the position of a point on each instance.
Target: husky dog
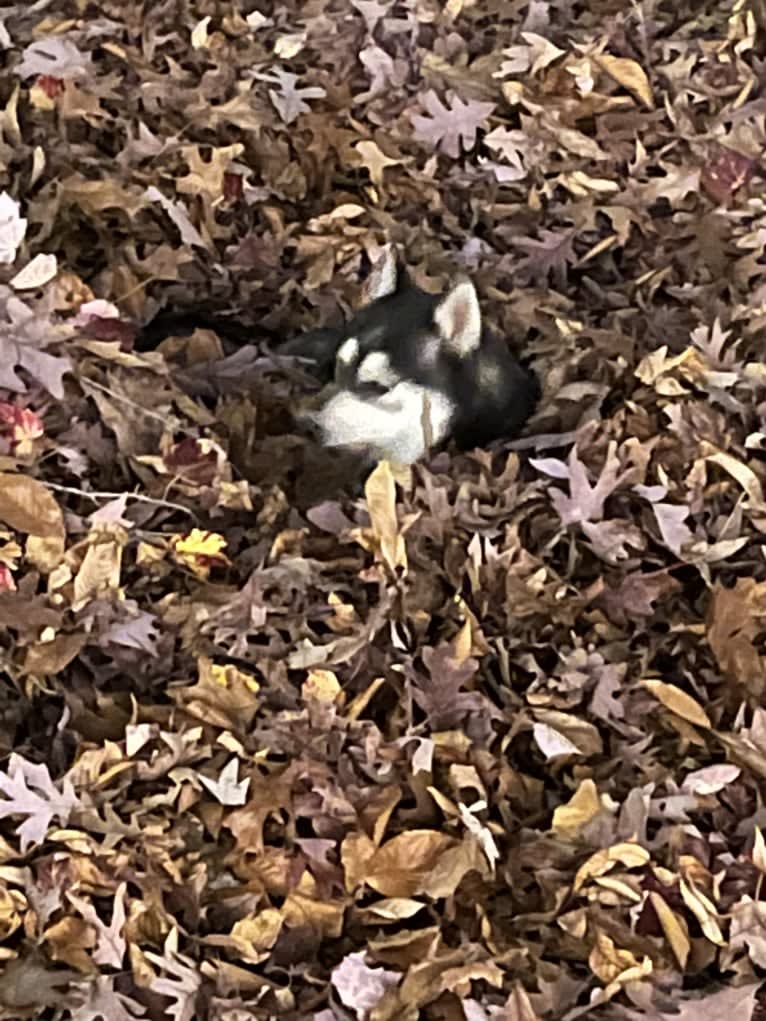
(410, 370)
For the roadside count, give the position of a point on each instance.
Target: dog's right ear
(385, 277)
(317, 346)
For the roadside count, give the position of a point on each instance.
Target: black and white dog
(411, 370)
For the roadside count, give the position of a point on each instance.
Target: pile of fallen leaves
(481, 741)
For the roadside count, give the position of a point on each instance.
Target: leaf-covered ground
(486, 741)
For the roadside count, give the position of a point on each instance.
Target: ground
(483, 739)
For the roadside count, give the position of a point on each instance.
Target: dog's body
(410, 370)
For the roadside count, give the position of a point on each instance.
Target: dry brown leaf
(679, 702)
(29, 506)
(628, 854)
(630, 75)
(405, 865)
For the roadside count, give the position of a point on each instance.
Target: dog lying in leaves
(411, 370)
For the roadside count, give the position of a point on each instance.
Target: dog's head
(411, 369)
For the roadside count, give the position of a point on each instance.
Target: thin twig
(85, 382)
(96, 496)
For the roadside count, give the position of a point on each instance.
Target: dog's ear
(384, 278)
(458, 319)
(317, 346)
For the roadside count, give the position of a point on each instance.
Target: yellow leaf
(673, 927)
(582, 807)
(199, 551)
(630, 75)
(321, 686)
(679, 702)
(380, 491)
(607, 960)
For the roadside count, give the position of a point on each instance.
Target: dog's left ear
(384, 278)
(458, 319)
(318, 346)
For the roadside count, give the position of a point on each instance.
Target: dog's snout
(308, 412)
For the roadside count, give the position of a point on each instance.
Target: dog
(412, 370)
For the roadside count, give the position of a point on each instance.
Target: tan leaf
(607, 960)
(374, 160)
(380, 491)
(258, 933)
(29, 506)
(759, 850)
(674, 928)
(582, 807)
(45, 552)
(630, 75)
(99, 572)
(402, 866)
(44, 659)
(356, 853)
(679, 702)
(395, 909)
(628, 854)
(704, 912)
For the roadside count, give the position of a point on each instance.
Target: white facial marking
(391, 426)
(348, 351)
(376, 368)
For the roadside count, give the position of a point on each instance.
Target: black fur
(400, 324)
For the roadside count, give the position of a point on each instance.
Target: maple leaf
(200, 551)
(182, 983)
(446, 127)
(547, 256)
(99, 1001)
(23, 334)
(290, 101)
(134, 629)
(585, 501)
(372, 11)
(22, 424)
(440, 695)
(227, 789)
(513, 145)
(384, 72)
(29, 791)
(110, 943)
